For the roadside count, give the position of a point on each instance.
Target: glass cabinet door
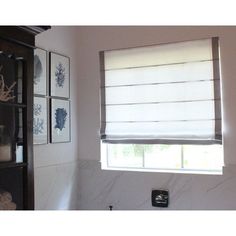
(11, 108)
(16, 114)
(11, 134)
(11, 78)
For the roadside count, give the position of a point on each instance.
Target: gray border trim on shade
(216, 74)
(106, 139)
(102, 94)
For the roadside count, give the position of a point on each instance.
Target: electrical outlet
(160, 198)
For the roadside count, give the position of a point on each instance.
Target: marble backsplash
(82, 185)
(132, 190)
(56, 187)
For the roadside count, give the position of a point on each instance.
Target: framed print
(40, 126)
(59, 75)
(60, 121)
(40, 72)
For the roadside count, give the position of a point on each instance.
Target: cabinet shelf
(4, 165)
(20, 105)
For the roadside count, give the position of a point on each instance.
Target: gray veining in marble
(56, 187)
(132, 190)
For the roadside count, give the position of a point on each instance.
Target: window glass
(125, 155)
(203, 156)
(163, 156)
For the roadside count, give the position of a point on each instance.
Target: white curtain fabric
(162, 92)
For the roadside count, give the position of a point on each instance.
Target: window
(161, 107)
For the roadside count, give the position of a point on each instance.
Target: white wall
(128, 190)
(56, 164)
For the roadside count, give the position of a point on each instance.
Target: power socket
(160, 198)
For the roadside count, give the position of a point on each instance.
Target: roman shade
(167, 93)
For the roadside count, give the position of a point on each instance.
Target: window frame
(105, 165)
(218, 137)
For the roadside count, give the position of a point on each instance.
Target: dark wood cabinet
(16, 114)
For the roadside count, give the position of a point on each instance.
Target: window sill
(171, 171)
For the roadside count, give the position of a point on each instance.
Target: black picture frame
(44, 71)
(60, 64)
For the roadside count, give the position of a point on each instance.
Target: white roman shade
(168, 93)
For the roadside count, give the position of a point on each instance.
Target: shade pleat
(168, 91)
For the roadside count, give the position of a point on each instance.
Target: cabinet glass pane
(19, 84)
(11, 77)
(11, 133)
(11, 181)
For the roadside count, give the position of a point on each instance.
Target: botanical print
(40, 120)
(37, 109)
(38, 126)
(60, 117)
(59, 75)
(60, 120)
(40, 71)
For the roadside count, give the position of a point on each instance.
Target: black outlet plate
(160, 198)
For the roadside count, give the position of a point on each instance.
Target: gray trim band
(102, 94)
(216, 74)
(161, 141)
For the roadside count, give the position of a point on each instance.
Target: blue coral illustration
(38, 126)
(38, 69)
(37, 109)
(60, 118)
(60, 75)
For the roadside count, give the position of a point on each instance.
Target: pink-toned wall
(98, 189)
(94, 39)
(56, 164)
